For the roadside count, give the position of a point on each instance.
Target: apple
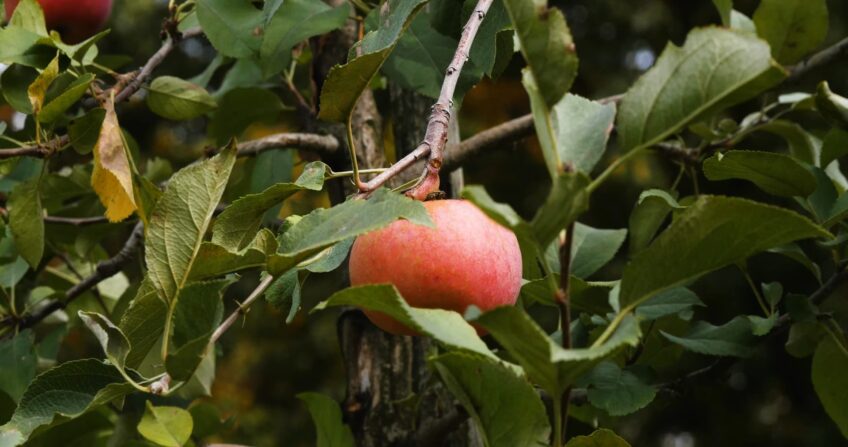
(75, 20)
(467, 259)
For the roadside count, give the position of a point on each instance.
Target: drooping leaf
(26, 220)
(345, 83)
(293, 22)
(238, 225)
(446, 327)
(544, 360)
(38, 88)
(232, 26)
(113, 341)
(830, 381)
(714, 69)
(617, 391)
(792, 27)
(651, 210)
(112, 175)
(68, 390)
(711, 233)
(567, 199)
(143, 323)
(327, 417)
(166, 426)
(176, 99)
(323, 228)
(776, 174)
(504, 406)
(599, 438)
(18, 357)
(734, 338)
(180, 220)
(85, 130)
(546, 45)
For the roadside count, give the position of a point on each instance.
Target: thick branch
(102, 271)
(38, 151)
(823, 57)
(323, 144)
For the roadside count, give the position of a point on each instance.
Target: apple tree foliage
(73, 160)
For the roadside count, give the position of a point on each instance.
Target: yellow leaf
(38, 88)
(112, 177)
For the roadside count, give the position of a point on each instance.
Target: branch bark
(823, 57)
(322, 144)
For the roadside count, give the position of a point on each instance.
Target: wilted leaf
(112, 175)
(38, 88)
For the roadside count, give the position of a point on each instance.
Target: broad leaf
(18, 357)
(544, 360)
(143, 322)
(68, 390)
(669, 302)
(38, 88)
(345, 83)
(505, 407)
(834, 146)
(30, 16)
(26, 221)
(776, 174)
(651, 210)
(581, 128)
(231, 26)
(724, 8)
(176, 99)
(323, 228)
(547, 47)
(114, 343)
(166, 426)
(830, 381)
(55, 107)
(180, 220)
(714, 69)
(445, 326)
(85, 130)
(711, 233)
(112, 175)
(215, 260)
(600, 438)
(327, 417)
(617, 391)
(567, 199)
(241, 107)
(792, 28)
(593, 248)
(734, 338)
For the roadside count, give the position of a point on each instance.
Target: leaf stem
(563, 299)
(600, 179)
(760, 300)
(612, 326)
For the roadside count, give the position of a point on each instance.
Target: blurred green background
(766, 400)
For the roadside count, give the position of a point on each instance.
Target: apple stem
(436, 135)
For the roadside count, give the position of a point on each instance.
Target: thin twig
(76, 221)
(323, 144)
(823, 57)
(102, 271)
(38, 151)
(563, 299)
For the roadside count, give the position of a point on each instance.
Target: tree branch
(76, 221)
(823, 57)
(102, 271)
(38, 151)
(323, 144)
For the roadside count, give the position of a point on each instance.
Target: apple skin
(75, 20)
(468, 259)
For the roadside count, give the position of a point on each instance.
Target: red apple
(75, 20)
(466, 259)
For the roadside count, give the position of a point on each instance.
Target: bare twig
(76, 221)
(242, 309)
(823, 57)
(38, 151)
(323, 144)
(102, 271)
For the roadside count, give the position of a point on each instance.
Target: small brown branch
(158, 57)
(323, 144)
(242, 309)
(102, 271)
(76, 221)
(823, 57)
(38, 151)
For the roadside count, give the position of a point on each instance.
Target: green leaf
(15, 80)
(26, 221)
(505, 407)
(292, 23)
(176, 99)
(792, 28)
(734, 338)
(671, 301)
(232, 26)
(547, 47)
(239, 224)
(114, 343)
(327, 416)
(544, 360)
(29, 15)
(804, 338)
(197, 314)
(830, 381)
(567, 199)
(714, 69)
(593, 248)
(240, 108)
(54, 108)
(650, 212)
(795, 253)
(599, 438)
(832, 106)
(345, 83)
(166, 426)
(143, 323)
(617, 391)
(762, 325)
(582, 128)
(68, 390)
(724, 7)
(711, 233)
(18, 357)
(180, 219)
(323, 228)
(85, 130)
(801, 143)
(284, 289)
(742, 22)
(445, 326)
(834, 146)
(776, 174)
(215, 260)
(19, 47)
